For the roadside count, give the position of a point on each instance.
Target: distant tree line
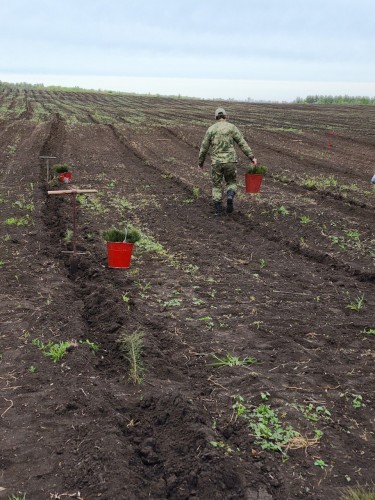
(38, 86)
(20, 86)
(335, 99)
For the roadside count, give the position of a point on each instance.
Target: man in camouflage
(220, 137)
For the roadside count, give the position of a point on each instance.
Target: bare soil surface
(286, 282)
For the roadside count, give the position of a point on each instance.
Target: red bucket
(253, 182)
(119, 254)
(65, 177)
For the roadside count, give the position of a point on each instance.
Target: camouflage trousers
(226, 172)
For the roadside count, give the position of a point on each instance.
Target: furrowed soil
(282, 289)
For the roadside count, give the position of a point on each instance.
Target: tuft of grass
(305, 219)
(321, 182)
(132, 347)
(358, 304)
(54, 351)
(230, 360)
(369, 331)
(360, 493)
(17, 221)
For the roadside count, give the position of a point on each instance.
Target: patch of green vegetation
(17, 221)
(24, 204)
(172, 303)
(221, 444)
(92, 203)
(357, 401)
(315, 413)
(320, 463)
(148, 244)
(281, 211)
(320, 182)
(357, 304)
(54, 351)
(350, 239)
(94, 348)
(270, 432)
(284, 129)
(369, 331)
(305, 219)
(230, 360)
(208, 321)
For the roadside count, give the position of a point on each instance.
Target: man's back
(221, 137)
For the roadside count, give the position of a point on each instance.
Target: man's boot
(218, 208)
(230, 197)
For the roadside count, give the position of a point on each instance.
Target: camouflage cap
(220, 111)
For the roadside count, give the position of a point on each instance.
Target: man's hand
(254, 161)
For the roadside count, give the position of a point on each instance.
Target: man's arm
(245, 148)
(205, 146)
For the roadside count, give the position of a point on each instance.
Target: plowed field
(285, 283)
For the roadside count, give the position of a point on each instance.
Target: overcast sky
(264, 49)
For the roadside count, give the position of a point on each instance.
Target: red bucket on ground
(65, 177)
(253, 182)
(119, 254)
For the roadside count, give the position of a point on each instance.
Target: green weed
(54, 351)
(281, 211)
(321, 182)
(17, 221)
(262, 263)
(172, 303)
(305, 219)
(94, 348)
(357, 304)
(320, 463)
(369, 331)
(230, 360)
(357, 401)
(221, 444)
(315, 413)
(208, 321)
(24, 205)
(148, 244)
(197, 302)
(270, 433)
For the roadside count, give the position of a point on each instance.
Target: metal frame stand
(73, 193)
(48, 158)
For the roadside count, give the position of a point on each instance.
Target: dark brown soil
(273, 281)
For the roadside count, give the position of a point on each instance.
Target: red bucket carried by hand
(253, 182)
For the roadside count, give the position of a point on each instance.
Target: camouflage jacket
(220, 137)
